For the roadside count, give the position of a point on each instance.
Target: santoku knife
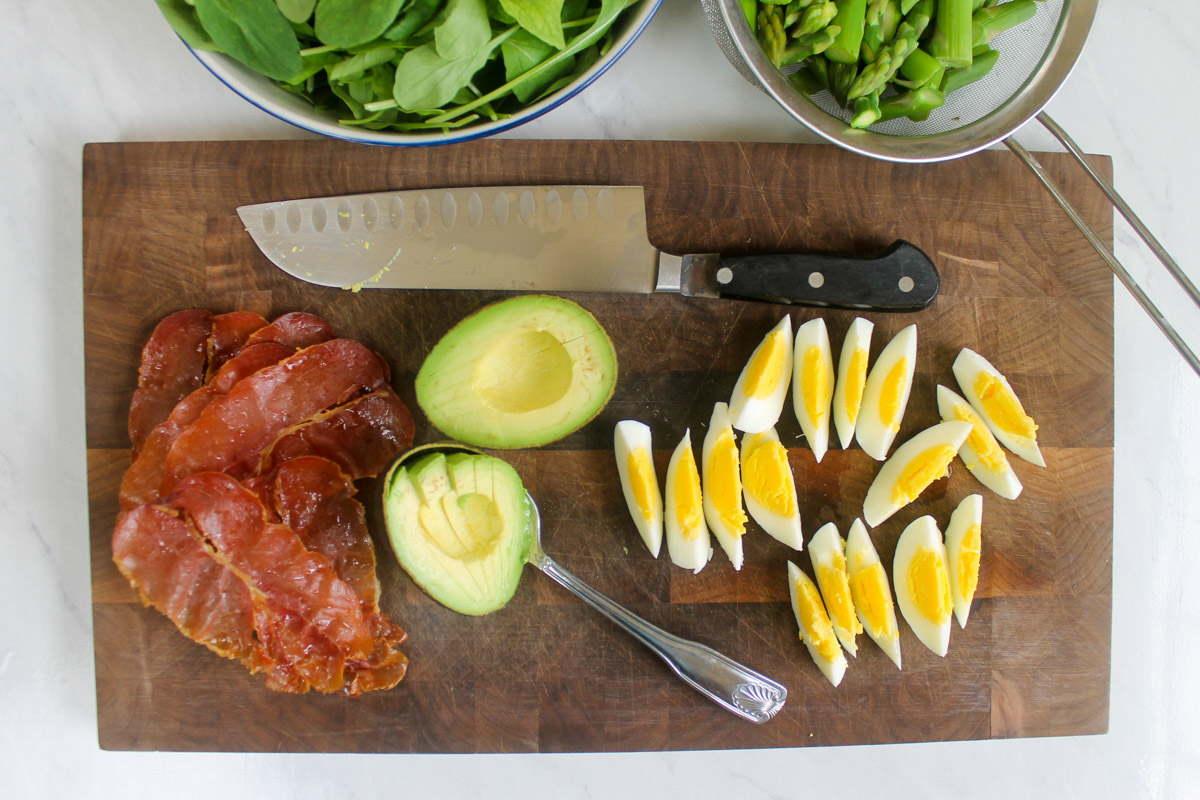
(555, 238)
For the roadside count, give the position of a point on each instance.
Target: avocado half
(518, 373)
(460, 526)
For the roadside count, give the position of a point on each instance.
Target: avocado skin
(471, 420)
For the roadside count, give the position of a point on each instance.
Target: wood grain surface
(1019, 284)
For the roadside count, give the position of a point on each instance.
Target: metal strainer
(1037, 57)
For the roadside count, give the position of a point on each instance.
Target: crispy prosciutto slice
(271, 559)
(229, 332)
(361, 437)
(233, 430)
(158, 553)
(173, 365)
(297, 329)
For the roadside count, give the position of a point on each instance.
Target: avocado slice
(519, 373)
(460, 526)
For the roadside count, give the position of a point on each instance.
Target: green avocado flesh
(519, 373)
(460, 526)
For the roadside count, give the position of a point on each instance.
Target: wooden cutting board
(1019, 284)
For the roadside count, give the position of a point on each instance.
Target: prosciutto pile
(238, 514)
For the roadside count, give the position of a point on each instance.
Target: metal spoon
(727, 683)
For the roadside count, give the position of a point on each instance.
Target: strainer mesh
(1021, 50)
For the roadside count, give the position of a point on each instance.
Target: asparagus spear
(915, 104)
(816, 17)
(921, 69)
(808, 45)
(952, 36)
(980, 66)
(771, 34)
(841, 78)
(807, 80)
(889, 58)
(905, 5)
(891, 19)
(849, 19)
(750, 8)
(986, 23)
(872, 38)
(918, 17)
(866, 111)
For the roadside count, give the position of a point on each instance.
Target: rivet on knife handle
(898, 278)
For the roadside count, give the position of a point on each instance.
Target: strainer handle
(1103, 249)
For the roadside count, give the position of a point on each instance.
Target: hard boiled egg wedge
(923, 583)
(770, 488)
(851, 379)
(964, 535)
(683, 512)
(635, 465)
(885, 394)
(812, 384)
(871, 592)
(828, 553)
(980, 452)
(758, 395)
(991, 395)
(816, 631)
(722, 485)
(915, 464)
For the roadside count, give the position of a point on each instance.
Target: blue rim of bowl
(520, 118)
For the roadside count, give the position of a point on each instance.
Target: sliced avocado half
(519, 373)
(460, 526)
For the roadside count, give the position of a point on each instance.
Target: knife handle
(899, 278)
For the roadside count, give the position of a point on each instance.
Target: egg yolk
(1003, 407)
(868, 586)
(891, 394)
(689, 508)
(835, 588)
(981, 440)
(816, 622)
(856, 378)
(766, 367)
(920, 472)
(641, 481)
(968, 562)
(769, 479)
(725, 483)
(929, 585)
(815, 387)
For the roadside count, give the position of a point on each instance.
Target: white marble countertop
(109, 70)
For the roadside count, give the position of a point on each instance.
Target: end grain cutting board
(1020, 285)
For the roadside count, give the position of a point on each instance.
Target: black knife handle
(899, 278)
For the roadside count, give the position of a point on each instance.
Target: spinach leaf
(296, 10)
(411, 21)
(426, 80)
(253, 32)
(183, 21)
(354, 66)
(542, 18)
(522, 52)
(463, 30)
(345, 23)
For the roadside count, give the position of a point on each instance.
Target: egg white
(861, 555)
(968, 513)
(875, 436)
(922, 534)
(880, 502)
(833, 669)
(827, 551)
(784, 528)
(690, 553)
(629, 436)
(757, 414)
(815, 425)
(967, 367)
(1003, 481)
(729, 536)
(858, 337)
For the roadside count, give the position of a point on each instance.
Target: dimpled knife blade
(525, 238)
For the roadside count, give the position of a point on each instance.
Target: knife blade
(555, 238)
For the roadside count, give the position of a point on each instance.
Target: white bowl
(261, 91)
